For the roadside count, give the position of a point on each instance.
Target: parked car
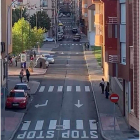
(49, 58)
(23, 86)
(76, 38)
(48, 39)
(17, 99)
(74, 30)
(44, 61)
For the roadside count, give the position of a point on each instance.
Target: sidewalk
(12, 119)
(105, 106)
(14, 71)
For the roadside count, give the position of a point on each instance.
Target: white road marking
(66, 124)
(39, 125)
(79, 124)
(41, 88)
(60, 88)
(69, 88)
(25, 125)
(76, 44)
(80, 44)
(72, 44)
(52, 124)
(77, 53)
(114, 98)
(51, 88)
(93, 125)
(78, 89)
(87, 89)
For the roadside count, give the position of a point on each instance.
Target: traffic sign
(114, 98)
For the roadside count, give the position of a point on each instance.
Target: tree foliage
(43, 21)
(16, 15)
(24, 37)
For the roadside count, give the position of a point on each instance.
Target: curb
(31, 74)
(97, 109)
(22, 118)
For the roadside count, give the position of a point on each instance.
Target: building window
(44, 3)
(123, 53)
(112, 31)
(123, 13)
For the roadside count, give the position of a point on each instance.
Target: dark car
(74, 30)
(78, 35)
(76, 38)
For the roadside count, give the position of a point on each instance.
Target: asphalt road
(63, 107)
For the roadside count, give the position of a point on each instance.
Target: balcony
(98, 19)
(98, 40)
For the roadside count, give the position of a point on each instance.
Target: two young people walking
(22, 75)
(105, 89)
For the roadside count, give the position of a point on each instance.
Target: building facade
(6, 43)
(47, 6)
(84, 23)
(117, 32)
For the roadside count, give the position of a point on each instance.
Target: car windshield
(21, 87)
(16, 94)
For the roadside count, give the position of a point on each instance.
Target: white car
(48, 39)
(49, 58)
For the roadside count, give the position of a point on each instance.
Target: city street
(63, 107)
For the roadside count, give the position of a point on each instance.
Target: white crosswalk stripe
(39, 125)
(41, 88)
(87, 89)
(66, 124)
(69, 88)
(93, 125)
(78, 89)
(51, 89)
(79, 124)
(60, 88)
(26, 125)
(53, 125)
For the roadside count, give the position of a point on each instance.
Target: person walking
(102, 85)
(107, 90)
(21, 75)
(27, 75)
(16, 60)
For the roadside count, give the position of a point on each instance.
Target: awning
(91, 7)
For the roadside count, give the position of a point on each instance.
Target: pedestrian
(88, 46)
(21, 75)
(107, 90)
(102, 85)
(27, 75)
(34, 54)
(16, 60)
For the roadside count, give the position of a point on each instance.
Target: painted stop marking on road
(114, 98)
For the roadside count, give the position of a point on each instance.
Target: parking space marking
(87, 89)
(66, 124)
(52, 124)
(92, 124)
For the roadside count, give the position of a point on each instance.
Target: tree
(16, 15)
(24, 37)
(43, 21)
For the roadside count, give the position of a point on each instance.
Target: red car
(17, 99)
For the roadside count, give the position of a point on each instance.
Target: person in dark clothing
(102, 85)
(16, 61)
(107, 90)
(21, 75)
(27, 75)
